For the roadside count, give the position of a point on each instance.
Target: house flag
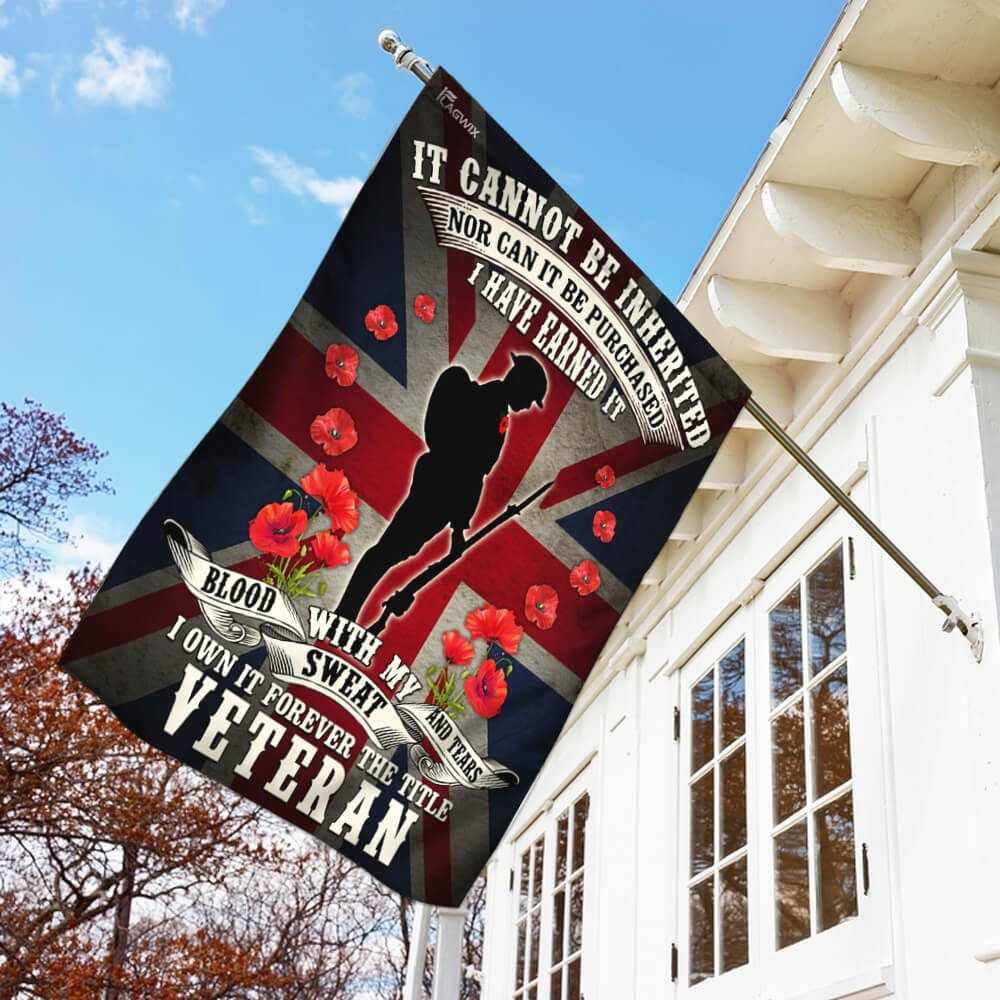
(370, 596)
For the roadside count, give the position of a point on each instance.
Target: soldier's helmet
(526, 382)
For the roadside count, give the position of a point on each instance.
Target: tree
(43, 465)
(122, 872)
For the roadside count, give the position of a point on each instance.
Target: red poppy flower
(342, 364)
(487, 690)
(382, 322)
(277, 527)
(540, 604)
(504, 424)
(604, 525)
(458, 650)
(495, 625)
(334, 492)
(605, 477)
(425, 306)
(329, 549)
(585, 578)
(335, 431)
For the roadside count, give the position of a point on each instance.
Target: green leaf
(302, 551)
(287, 494)
(321, 588)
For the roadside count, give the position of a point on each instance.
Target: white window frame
(546, 827)
(740, 983)
(861, 944)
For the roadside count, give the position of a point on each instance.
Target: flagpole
(968, 624)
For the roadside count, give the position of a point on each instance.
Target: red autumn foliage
(128, 875)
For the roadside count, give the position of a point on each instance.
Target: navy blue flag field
(369, 598)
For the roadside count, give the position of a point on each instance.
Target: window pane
(788, 749)
(581, 810)
(562, 838)
(827, 632)
(831, 732)
(575, 916)
(573, 981)
(703, 721)
(555, 993)
(786, 647)
(733, 695)
(534, 919)
(522, 903)
(733, 805)
(521, 939)
(532, 994)
(835, 863)
(733, 905)
(702, 823)
(558, 921)
(791, 885)
(701, 961)
(536, 875)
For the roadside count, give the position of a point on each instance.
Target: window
(567, 901)
(529, 920)
(550, 881)
(717, 885)
(780, 788)
(815, 885)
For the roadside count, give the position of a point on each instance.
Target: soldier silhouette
(464, 429)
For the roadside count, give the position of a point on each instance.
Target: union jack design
(569, 488)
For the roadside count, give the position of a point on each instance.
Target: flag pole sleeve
(967, 624)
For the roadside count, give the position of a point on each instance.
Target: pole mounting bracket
(967, 623)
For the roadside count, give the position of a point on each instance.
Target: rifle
(399, 603)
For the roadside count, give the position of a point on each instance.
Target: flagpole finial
(404, 56)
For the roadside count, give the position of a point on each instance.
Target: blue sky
(173, 171)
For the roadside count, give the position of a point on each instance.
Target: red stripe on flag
(140, 617)
(625, 458)
(286, 390)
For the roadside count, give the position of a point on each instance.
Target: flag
(370, 596)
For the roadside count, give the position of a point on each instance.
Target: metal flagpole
(968, 624)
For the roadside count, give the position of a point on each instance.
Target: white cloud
(353, 97)
(91, 541)
(49, 6)
(196, 14)
(258, 184)
(10, 82)
(4, 19)
(115, 74)
(252, 212)
(301, 180)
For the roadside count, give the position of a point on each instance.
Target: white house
(783, 780)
